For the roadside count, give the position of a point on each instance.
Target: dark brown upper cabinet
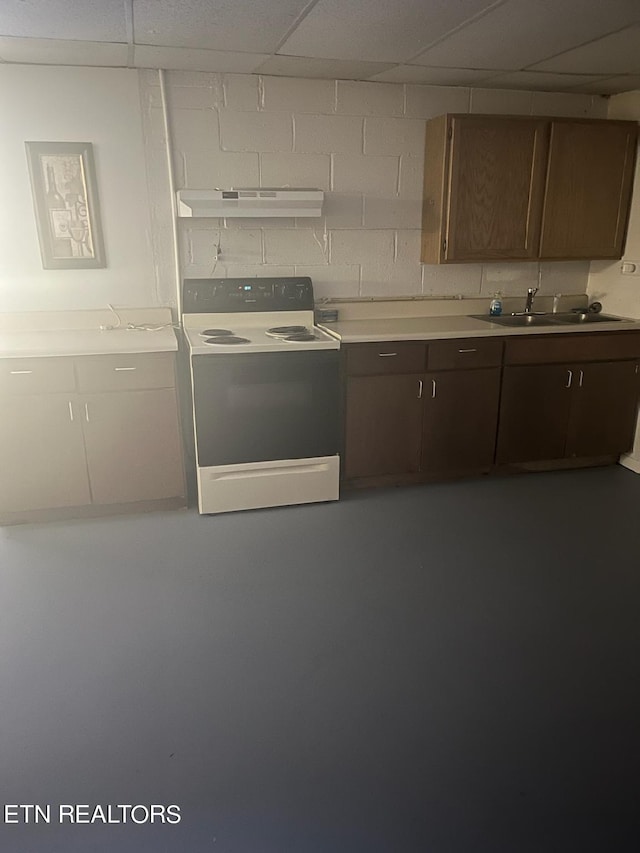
(521, 188)
(484, 182)
(588, 191)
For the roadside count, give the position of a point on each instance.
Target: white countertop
(69, 342)
(431, 328)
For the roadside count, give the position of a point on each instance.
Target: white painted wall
(95, 105)
(620, 294)
(363, 143)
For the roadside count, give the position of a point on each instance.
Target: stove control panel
(237, 295)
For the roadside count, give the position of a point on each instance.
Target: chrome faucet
(528, 308)
(531, 292)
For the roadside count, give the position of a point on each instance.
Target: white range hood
(258, 202)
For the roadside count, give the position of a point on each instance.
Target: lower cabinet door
(42, 461)
(534, 412)
(133, 446)
(383, 425)
(604, 409)
(460, 420)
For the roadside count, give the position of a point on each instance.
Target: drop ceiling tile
(539, 81)
(100, 20)
(192, 59)
(61, 52)
(519, 33)
(333, 69)
(242, 25)
(611, 85)
(377, 30)
(434, 76)
(618, 53)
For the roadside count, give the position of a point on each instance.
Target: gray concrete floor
(445, 668)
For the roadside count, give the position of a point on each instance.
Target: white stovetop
(253, 327)
(259, 341)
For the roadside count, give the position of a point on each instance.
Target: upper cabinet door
(588, 189)
(496, 183)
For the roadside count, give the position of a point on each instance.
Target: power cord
(216, 257)
(146, 327)
(135, 327)
(109, 328)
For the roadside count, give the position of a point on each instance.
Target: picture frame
(65, 200)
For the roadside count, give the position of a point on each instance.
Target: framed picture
(65, 198)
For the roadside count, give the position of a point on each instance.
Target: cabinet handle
(433, 389)
(380, 354)
(19, 372)
(468, 350)
(580, 379)
(86, 412)
(569, 378)
(125, 368)
(420, 386)
(70, 411)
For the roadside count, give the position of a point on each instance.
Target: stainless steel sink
(580, 319)
(532, 320)
(518, 320)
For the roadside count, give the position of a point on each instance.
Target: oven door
(260, 407)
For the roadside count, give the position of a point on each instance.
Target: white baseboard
(630, 462)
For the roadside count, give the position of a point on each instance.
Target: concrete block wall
(363, 144)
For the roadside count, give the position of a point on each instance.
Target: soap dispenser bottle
(495, 308)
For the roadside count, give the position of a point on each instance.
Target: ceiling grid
(586, 46)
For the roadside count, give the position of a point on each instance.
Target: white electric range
(265, 389)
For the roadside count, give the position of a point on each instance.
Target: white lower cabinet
(60, 448)
(132, 441)
(42, 461)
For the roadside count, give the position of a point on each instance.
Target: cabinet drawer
(36, 375)
(386, 357)
(125, 372)
(550, 349)
(464, 352)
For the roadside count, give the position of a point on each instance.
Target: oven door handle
(268, 471)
